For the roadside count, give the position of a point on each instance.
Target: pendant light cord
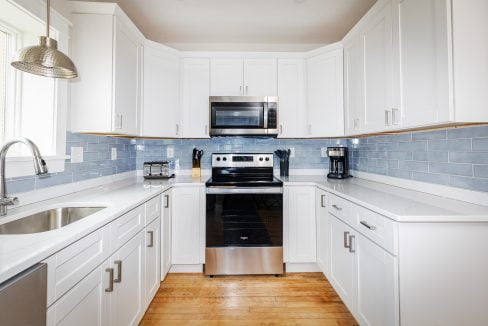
(48, 18)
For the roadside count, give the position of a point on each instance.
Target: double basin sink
(47, 220)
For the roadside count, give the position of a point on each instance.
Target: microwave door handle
(265, 118)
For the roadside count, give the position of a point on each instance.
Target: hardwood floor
(296, 299)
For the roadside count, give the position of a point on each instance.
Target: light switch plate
(76, 154)
(170, 152)
(323, 152)
(292, 152)
(113, 153)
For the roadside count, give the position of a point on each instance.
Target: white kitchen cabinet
(195, 98)
(166, 234)
(291, 97)
(109, 83)
(341, 270)
(325, 110)
(377, 49)
(322, 217)
(260, 77)
(127, 304)
(299, 224)
(376, 284)
(161, 91)
(354, 113)
(152, 260)
(227, 77)
(88, 303)
(187, 223)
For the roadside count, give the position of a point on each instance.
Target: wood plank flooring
(295, 299)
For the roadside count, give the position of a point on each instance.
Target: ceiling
(245, 25)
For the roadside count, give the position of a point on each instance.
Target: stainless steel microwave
(244, 116)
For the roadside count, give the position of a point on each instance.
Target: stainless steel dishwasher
(23, 298)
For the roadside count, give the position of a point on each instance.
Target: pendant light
(45, 59)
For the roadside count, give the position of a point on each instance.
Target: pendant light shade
(45, 59)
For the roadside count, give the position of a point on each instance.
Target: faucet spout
(40, 168)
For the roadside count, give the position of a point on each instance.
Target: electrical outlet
(170, 152)
(113, 154)
(76, 154)
(292, 152)
(323, 152)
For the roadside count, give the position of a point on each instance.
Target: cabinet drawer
(376, 227)
(72, 264)
(126, 227)
(152, 209)
(340, 208)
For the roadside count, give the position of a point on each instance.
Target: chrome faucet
(39, 166)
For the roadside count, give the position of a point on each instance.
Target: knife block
(196, 172)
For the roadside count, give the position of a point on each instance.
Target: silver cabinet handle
(118, 263)
(337, 207)
(240, 90)
(365, 224)
(110, 272)
(177, 129)
(151, 239)
(394, 116)
(346, 235)
(166, 201)
(322, 200)
(310, 129)
(351, 244)
(356, 124)
(387, 118)
(206, 129)
(247, 89)
(281, 129)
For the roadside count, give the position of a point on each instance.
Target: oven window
(244, 220)
(238, 115)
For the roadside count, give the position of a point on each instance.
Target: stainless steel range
(244, 220)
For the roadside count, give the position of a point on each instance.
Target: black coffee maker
(339, 163)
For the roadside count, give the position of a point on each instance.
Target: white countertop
(399, 204)
(18, 252)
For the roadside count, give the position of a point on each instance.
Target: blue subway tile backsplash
(454, 157)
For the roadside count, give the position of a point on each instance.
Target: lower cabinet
(152, 251)
(187, 223)
(299, 224)
(321, 215)
(166, 234)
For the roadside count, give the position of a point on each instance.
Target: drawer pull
(351, 246)
(337, 207)
(346, 245)
(322, 200)
(166, 201)
(151, 239)
(110, 272)
(119, 271)
(365, 224)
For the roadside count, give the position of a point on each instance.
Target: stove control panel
(242, 160)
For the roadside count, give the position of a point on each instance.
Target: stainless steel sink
(48, 220)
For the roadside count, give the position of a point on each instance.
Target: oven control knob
(261, 159)
(224, 159)
(267, 159)
(218, 158)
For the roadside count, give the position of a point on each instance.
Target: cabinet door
(300, 225)
(377, 284)
(227, 76)
(88, 303)
(260, 77)
(196, 91)
(127, 81)
(322, 230)
(161, 93)
(127, 306)
(353, 86)
(422, 46)
(325, 110)
(185, 222)
(166, 234)
(376, 38)
(341, 274)
(153, 262)
(291, 95)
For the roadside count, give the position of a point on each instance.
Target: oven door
(238, 116)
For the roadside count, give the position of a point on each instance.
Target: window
(30, 106)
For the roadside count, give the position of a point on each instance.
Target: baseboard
(191, 268)
(302, 268)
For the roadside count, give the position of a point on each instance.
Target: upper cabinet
(243, 77)
(325, 110)
(195, 87)
(161, 100)
(107, 49)
(354, 113)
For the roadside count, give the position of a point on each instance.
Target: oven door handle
(236, 190)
